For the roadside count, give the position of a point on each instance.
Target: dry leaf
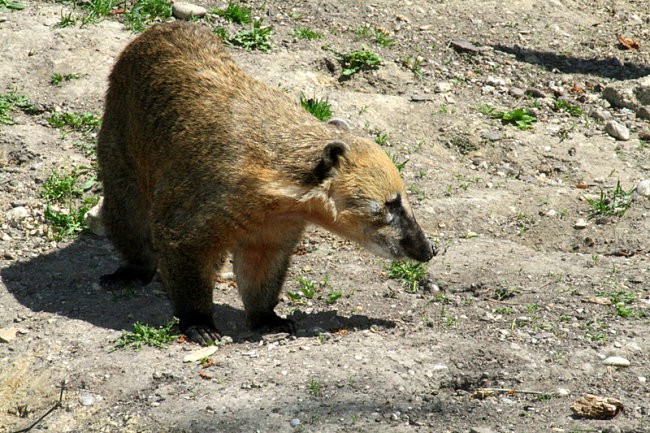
(595, 407)
(628, 43)
(577, 89)
(596, 300)
(205, 375)
(582, 186)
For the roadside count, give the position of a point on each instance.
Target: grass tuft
(611, 203)
(307, 34)
(235, 13)
(143, 12)
(56, 79)
(319, 108)
(147, 335)
(11, 101)
(520, 117)
(408, 272)
(67, 201)
(256, 38)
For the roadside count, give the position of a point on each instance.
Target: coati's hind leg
(260, 267)
(125, 214)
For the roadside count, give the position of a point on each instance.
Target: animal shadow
(65, 282)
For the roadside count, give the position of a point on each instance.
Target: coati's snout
(398, 235)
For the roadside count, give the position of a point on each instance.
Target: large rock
(632, 94)
(186, 11)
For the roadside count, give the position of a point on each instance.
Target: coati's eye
(394, 208)
(394, 204)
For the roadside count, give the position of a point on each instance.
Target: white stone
(616, 361)
(8, 334)
(617, 130)
(186, 11)
(643, 188)
(93, 219)
(16, 215)
(442, 87)
(630, 94)
(200, 354)
(580, 224)
(86, 400)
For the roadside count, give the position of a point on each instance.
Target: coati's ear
(332, 153)
(341, 124)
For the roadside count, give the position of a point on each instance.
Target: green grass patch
(319, 108)
(82, 122)
(11, 101)
(610, 203)
(409, 273)
(67, 200)
(305, 33)
(11, 5)
(56, 79)
(520, 117)
(142, 13)
(147, 335)
(359, 60)
(562, 105)
(255, 38)
(400, 163)
(235, 13)
(375, 34)
(315, 388)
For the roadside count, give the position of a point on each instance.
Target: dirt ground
(526, 300)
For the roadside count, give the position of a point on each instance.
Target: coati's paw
(126, 276)
(201, 334)
(270, 322)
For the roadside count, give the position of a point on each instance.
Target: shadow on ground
(64, 282)
(609, 67)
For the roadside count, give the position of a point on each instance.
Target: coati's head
(365, 201)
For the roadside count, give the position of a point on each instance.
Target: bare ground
(515, 301)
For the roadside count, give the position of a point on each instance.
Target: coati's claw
(201, 334)
(271, 322)
(126, 276)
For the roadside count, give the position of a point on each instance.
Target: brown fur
(199, 159)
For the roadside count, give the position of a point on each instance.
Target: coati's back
(176, 91)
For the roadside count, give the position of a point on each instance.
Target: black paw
(270, 322)
(126, 276)
(201, 334)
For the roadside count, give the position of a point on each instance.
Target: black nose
(419, 247)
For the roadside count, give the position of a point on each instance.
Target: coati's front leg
(260, 266)
(187, 273)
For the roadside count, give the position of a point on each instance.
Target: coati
(198, 160)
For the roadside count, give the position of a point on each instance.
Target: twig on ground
(52, 409)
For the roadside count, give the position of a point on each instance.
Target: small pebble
(599, 114)
(616, 361)
(295, 422)
(7, 334)
(517, 92)
(442, 87)
(643, 113)
(617, 130)
(580, 224)
(86, 400)
(15, 215)
(643, 188)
